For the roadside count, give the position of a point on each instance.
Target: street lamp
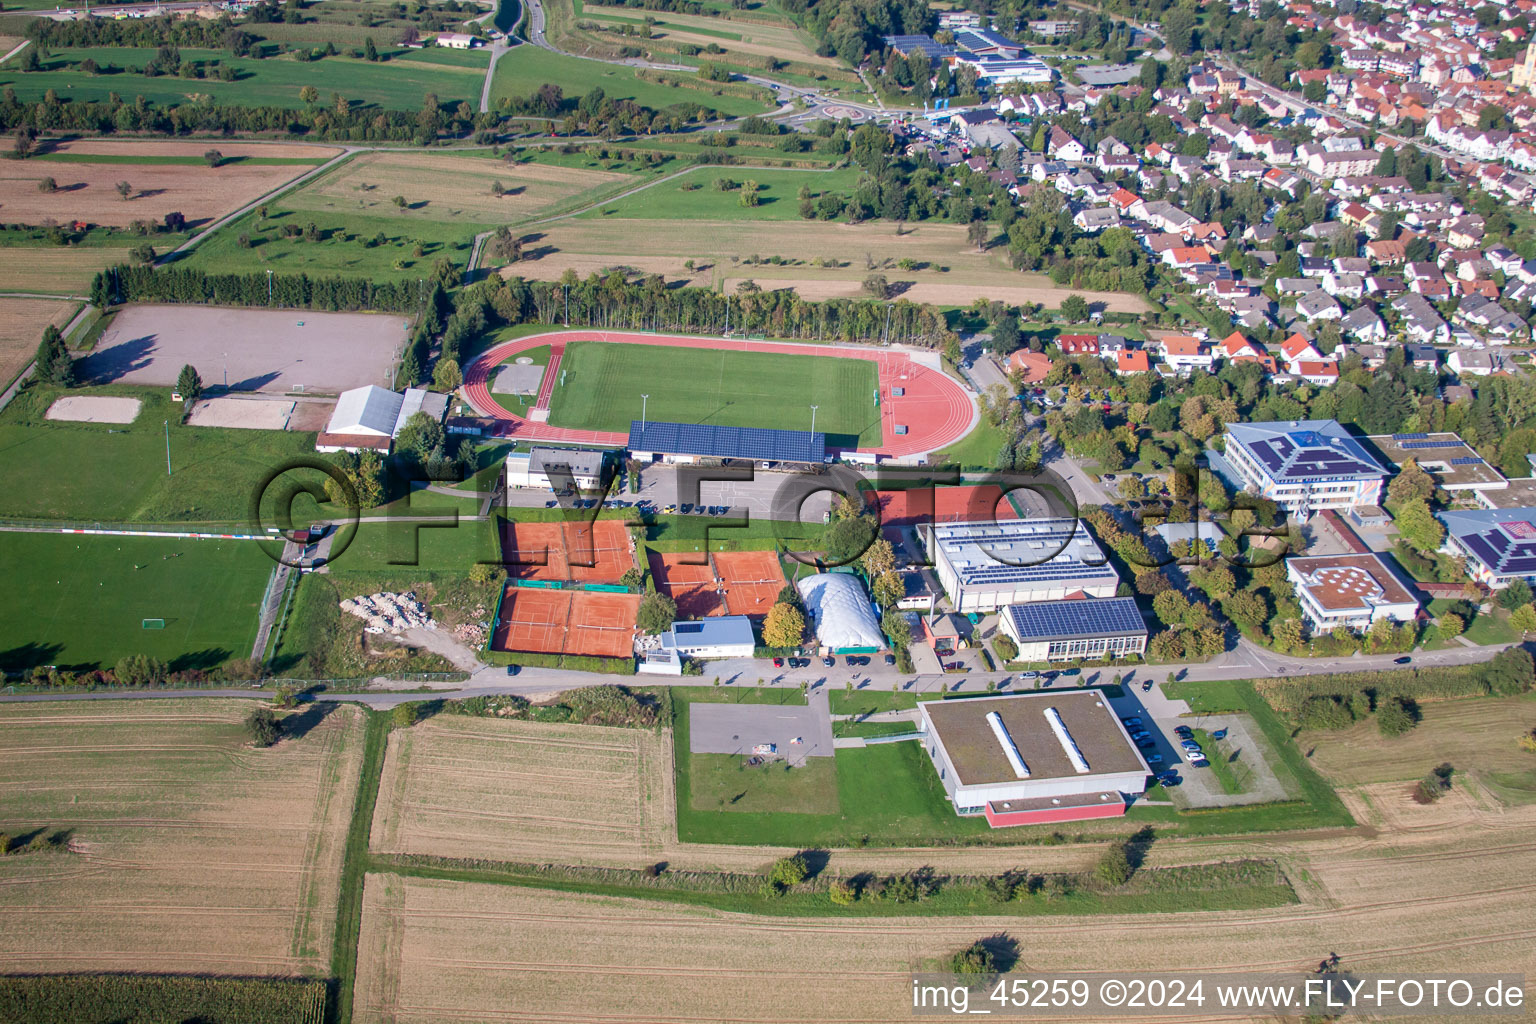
(269, 287)
(643, 400)
(226, 371)
(813, 418)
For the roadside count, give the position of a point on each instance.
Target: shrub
(1528, 742)
(1434, 785)
(1395, 717)
(263, 727)
(1004, 887)
(1324, 713)
(1114, 867)
(788, 871)
(405, 715)
(843, 893)
(1005, 647)
(973, 959)
(47, 185)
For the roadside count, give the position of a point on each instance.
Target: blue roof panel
(1065, 620)
(728, 442)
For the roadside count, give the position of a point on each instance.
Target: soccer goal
(152, 624)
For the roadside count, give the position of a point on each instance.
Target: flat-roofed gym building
(986, 566)
(1033, 758)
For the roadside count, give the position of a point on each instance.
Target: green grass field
(602, 384)
(112, 473)
(522, 71)
(778, 194)
(78, 601)
(388, 85)
(342, 248)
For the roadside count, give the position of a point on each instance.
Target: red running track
(936, 411)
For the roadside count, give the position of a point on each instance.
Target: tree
(125, 190)
(144, 255)
(784, 626)
(54, 365)
(308, 95)
(973, 959)
(896, 627)
(420, 437)
(1418, 525)
(1074, 308)
(976, 234)
(1524, 618)
(1410, 484)
(213, 157)
(47, 185)
(877, 287)
(788, 871)
(405, 715)
(1114, 867)
(879, 557)
(446, 376)
(1395, 718)
(189, 385)
(887, 588)
(656, 613)
(370, 50)
(139, 670)
(1451, 626)
(1516, 594)
(262, 726)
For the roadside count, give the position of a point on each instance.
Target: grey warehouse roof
(1021, 551)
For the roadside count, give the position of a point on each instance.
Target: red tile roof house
(1078, 344)
(1236, 348)
(1132, 361)
(1185, 353)
(1034, 365)
(1295, 349)
(1315, 372)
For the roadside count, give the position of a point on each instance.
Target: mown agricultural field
(53, 270)
(583, 794)
(694, 227)
(88, 190)
(22, 322)
(438, 187)
(601, 389)
(274, 81)
(181, 849)
(521, 72)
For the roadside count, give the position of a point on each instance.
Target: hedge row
(136, 998)
(1510, 672)
(573, 662)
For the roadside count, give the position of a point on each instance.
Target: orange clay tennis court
(566, 622)
(689, 582)
(584, 552)
(752, 580)
(942, 505)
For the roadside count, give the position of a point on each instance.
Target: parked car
(1146, 684)
(1029, 677)
(829, 661)
(1132, 721)
(1169, 779)
(799, 662)
(1404, 660)
(890, 659)
(1189, 744)
(1199, 762)
(778, 662)
(1147, 743)
(1183, 732)
(1153, 757)
(955, 666)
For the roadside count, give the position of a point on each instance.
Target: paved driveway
(737, 728)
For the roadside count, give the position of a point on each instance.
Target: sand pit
(241, 413)
(94, 409)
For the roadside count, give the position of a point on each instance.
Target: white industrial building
(725, 636)
(841, 613)
(531, 469)
(1304, 465)
(1033, 758)
(987, 566)
(1352, 591)
(1083, 630)
(372, 417)
(457, 40)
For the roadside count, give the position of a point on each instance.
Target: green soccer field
(78, 601)
(602, 383)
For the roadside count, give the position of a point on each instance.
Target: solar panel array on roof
(1301, 454)
(1469, 460)
(728, 442)
(1414, 445)
(1504, 543)
(1067, 620)
(1409, 437)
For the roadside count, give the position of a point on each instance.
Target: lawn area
(1225, 771)
(601, 385)
(977, 449)
(116, 473)
(778, 194)
(387, 85)
(525, 68)
(345, 245)
(866, 702)
(79, 601)
(725, 782)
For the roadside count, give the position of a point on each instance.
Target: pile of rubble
(471, 634)
(390, 613)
